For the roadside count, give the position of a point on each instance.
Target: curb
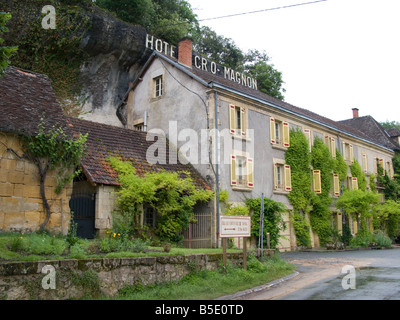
(259, 288)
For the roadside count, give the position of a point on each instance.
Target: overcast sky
(334, 55)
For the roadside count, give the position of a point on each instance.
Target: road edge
(258, 288)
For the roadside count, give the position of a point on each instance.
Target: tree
(172, 196)
(360, 203)
(5, 51)
(269, 80)
(52, 149)
(170, 20)
(219, 49)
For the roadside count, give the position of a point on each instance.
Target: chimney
(185, 52)
(355, 113)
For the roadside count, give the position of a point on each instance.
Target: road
(375, 275)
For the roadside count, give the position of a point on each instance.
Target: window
(158, 86)
(307, 133)
(237, 119)
(317, 181)
(364, 162)
(279, 133)
(336, 185)
(149, 216)
(242, 171)
(139, 126)
(348, 154)
(282, 177)
(330, 142)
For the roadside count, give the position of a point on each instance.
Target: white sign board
(234, 226)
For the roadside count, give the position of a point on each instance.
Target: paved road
(376, 276)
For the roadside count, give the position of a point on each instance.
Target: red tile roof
(25, 97)
(104, 141)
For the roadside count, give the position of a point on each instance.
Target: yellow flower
(114, 234)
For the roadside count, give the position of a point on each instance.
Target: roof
(26, 97)
(393, 132)
(210, 80)
(104, 141)
(372, 129)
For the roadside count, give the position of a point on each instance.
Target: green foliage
(273, 222)
(237, 210)
(223, 196)
(59, 151)
(369, 239)
(54, 52)
(341, 166)
(171, 195)
(387, 217)
(320, 215)
(5, 51)
(169, 20)
(302, 229)
(358, 202)
(298, 157)
(53, 149)
(357, 172)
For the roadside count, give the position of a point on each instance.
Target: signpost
(235, 227)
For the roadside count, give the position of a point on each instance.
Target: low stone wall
(64, 279)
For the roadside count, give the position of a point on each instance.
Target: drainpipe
(145, 122)
(216, 162)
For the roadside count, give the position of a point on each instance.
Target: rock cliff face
(115, 50)
(116, 53)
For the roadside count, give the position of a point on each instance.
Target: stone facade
(20, 201)
(23, 280)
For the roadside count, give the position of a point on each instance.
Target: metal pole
(216, 162)
(262, 224)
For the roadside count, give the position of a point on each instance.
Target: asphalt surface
(342, 275)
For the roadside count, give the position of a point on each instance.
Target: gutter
(245, 95)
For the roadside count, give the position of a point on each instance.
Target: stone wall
(73, 278)
(21, 206)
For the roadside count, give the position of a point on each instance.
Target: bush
(368, 239)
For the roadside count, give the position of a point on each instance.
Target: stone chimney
(355, 113)
(185, 51)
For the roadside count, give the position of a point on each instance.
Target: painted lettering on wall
(201, 63)
(228, 73)
(161, 46)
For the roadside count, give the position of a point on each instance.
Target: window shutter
(288, 178)
(250, 173)
(336, 185)
(286, 134)
(364, 163)
(275, 176)
(351, 156)
(272, 130)
(232, 118)
(317, 181)
(333, 148)
(307, 133)
(344, 150)
(243, 121)
(233, 171)
(382, 165)
(354, 183)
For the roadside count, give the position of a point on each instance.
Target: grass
(206, 285)
(43, 246)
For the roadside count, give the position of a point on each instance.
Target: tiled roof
(208, 77)
(25, 97)
(372, 129)
(104, 141)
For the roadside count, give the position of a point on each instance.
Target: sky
(334, 55)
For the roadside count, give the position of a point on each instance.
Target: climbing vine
(320, 215)
(52, 149)
(172, 195)
(273, 222)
